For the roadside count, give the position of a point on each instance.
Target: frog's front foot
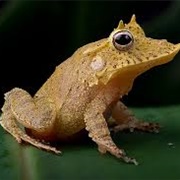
(137, 125)
(110, 147)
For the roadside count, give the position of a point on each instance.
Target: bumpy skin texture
(84, 90)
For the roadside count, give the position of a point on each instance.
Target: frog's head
(128, 52)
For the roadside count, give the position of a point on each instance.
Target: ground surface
(158, 154)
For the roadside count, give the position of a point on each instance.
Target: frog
(85, 93)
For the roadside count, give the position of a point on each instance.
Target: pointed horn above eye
(133, 18)
(120, 25)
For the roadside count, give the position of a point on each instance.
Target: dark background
(36, 36)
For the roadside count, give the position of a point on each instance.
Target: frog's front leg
(99, 132)
(126, 120)
(21, 109)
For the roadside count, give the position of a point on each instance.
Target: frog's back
(66, 75)
(58, 84)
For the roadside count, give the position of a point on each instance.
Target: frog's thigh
(126, 120)
(9, 123)
(38, 115)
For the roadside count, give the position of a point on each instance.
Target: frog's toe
(119, 153)
(129, 160)
(149, 127)
(18, 139)
(39, 144)
(52, 149)
(137, 125)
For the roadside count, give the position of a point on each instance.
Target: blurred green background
(35, 36)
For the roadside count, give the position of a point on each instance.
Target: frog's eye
(122, 40)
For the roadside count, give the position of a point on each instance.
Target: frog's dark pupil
(123, 39)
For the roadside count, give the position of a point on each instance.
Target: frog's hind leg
(20, 109)
(126, 120)
(9, 124)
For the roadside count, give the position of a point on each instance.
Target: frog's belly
(62, 130)
(67, 127)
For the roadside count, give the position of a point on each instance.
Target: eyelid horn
(133, 18)
(120, 25)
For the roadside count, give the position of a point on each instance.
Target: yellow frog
(85, 91)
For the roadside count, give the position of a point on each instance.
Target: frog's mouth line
(135, 70)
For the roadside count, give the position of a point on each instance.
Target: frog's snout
(178, 46)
